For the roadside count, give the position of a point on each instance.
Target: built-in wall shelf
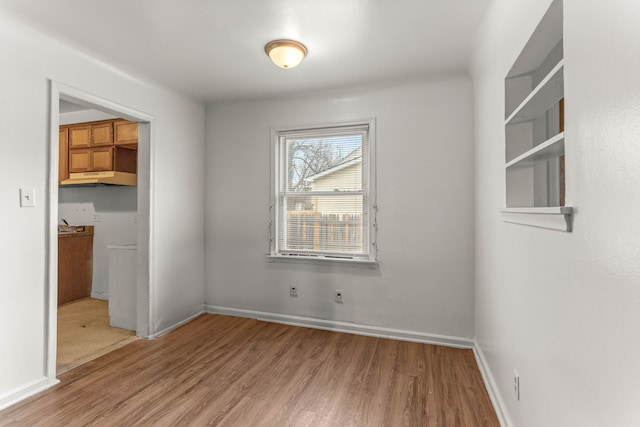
(541, 99)
(551, 148)
(554, 218)
(553, 210)
(535, 142)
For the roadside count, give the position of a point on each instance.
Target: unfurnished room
(320, 213)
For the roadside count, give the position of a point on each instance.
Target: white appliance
(123, 289)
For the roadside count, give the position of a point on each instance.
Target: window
(323, 200)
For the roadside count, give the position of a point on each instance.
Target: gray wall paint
(177, 176)
(425, 198)
(564, 308)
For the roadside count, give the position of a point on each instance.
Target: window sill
(313, 259)
(553, 218)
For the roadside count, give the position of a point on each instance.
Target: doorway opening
(120, 213)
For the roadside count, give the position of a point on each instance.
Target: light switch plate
(27, 198)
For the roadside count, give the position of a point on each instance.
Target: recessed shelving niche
(534, 129)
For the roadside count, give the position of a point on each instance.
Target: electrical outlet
(293, 291)
(516, 385)
(96, 217)
(338, 296)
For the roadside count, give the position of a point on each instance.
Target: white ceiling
(70, 107)
(212, 50)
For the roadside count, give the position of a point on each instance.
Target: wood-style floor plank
(228, 371)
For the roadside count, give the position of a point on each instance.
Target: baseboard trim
(14, 396)
(350, 328)
(155, 335)
(490, 385)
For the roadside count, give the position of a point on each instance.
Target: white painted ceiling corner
(213, 51)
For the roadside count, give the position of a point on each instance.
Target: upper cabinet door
(80, 136)
(102, 159)
(126, 132)
(102, 134)
(63, 154)
(80, 160)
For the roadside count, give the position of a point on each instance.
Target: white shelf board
(553, 218)
(551, 148)
(549, 92)
(552, 210)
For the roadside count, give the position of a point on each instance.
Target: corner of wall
(490, 384)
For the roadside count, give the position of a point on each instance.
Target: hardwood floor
(229, 371)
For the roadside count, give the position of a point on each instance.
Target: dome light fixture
(285, 53)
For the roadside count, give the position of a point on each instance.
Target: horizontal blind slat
(322, 188)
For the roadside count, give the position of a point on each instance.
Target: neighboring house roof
(352, 159)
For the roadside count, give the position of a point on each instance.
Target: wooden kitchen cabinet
(80, 160)
(102, 134)
(93, 134)
(103, 159)
(125, 133)
(125, 159)
(63, 154)
(75, 265)
(91, 159)
(109, 147)
(80, 136)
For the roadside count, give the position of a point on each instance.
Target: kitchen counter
(75, 264)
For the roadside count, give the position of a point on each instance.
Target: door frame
(145, 324)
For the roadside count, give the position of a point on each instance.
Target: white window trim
(370, 199)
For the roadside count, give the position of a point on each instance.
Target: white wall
(425, 197)
(176, 198)
(117, 210)
(564, 308)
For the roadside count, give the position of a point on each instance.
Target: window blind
(322, 192)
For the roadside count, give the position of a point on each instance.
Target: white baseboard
(351, 328)
(492, 389)
(198, 313)
(332, 325)
(21, 393)
(14, 396)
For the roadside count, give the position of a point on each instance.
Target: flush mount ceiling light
(285, 53)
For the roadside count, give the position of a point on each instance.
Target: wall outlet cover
(27, 198)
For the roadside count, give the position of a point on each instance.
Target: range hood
(105, 177)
